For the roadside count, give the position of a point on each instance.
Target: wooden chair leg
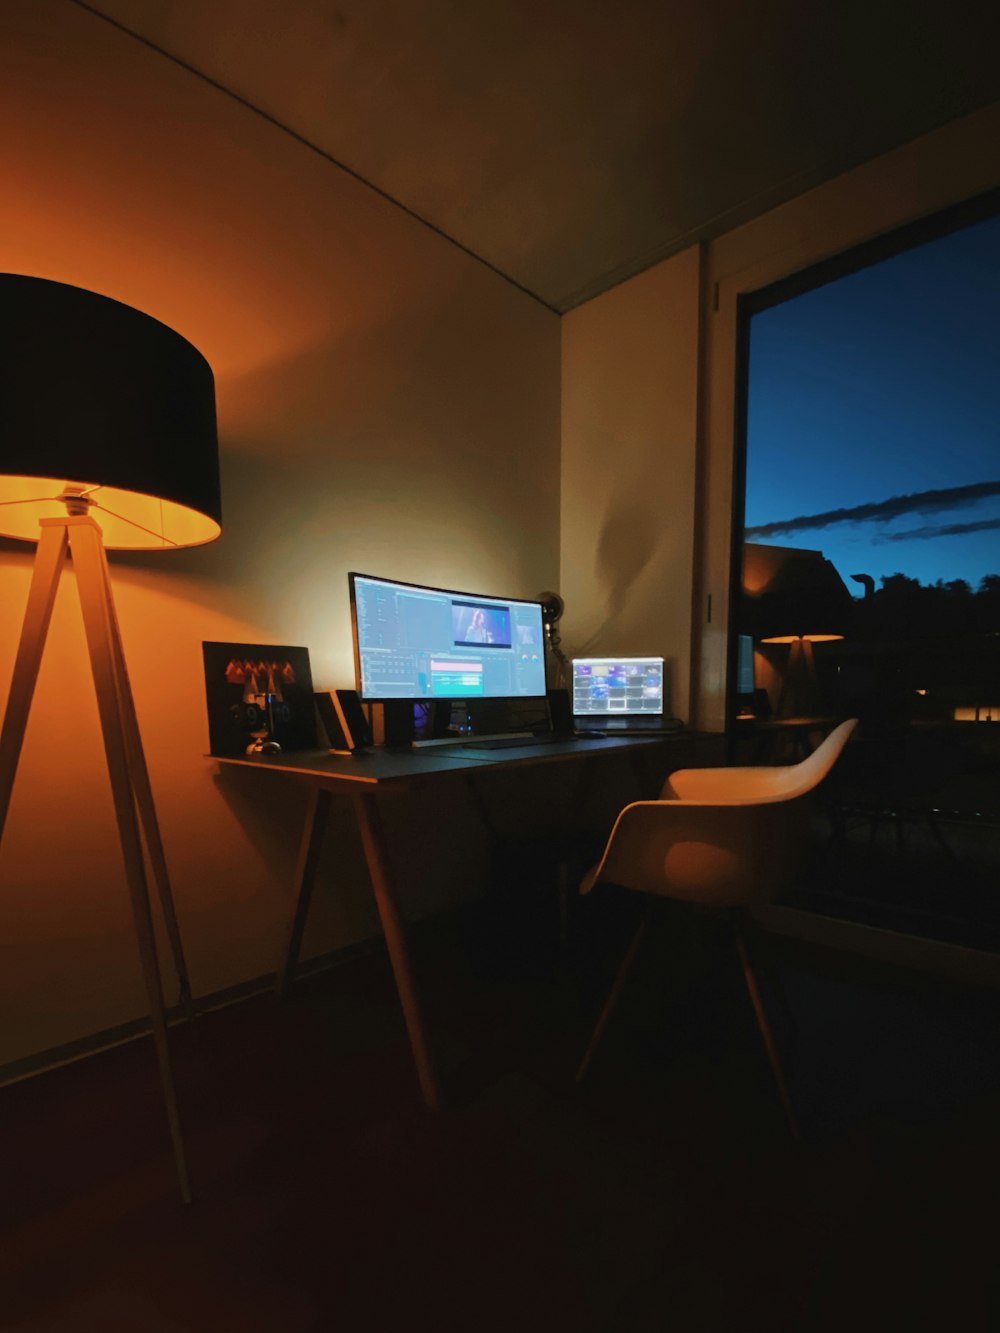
(765, 1031)
(755, 940)
(611, 1003)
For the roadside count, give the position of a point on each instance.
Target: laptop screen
(618, 687)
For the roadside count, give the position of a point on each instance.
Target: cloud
(882, 511)
(939, 530)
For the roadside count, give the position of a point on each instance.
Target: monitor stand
(399, 726)
(397, 722)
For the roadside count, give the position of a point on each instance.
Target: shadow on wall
(625, 548)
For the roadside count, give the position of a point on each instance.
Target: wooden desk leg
(482, 809)
(305, 877)
(376, 855)
(569, 870)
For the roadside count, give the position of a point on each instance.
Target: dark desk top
(388, 768)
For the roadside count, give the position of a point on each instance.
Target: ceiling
(567, 143)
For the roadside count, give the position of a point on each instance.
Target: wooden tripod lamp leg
(95, 602)
(143, 792)
(50, 557)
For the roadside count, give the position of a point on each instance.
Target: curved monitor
(412, 642)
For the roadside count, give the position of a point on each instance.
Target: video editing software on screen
(427, 643)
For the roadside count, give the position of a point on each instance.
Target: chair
(723, 837)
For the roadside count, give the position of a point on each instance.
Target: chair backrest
(754, 784)
(809, 773)
(725, 837)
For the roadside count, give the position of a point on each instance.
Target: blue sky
(884, 386)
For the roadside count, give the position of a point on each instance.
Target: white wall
(629, 421)
(385, 404)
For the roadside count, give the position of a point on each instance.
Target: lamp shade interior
(103, 401)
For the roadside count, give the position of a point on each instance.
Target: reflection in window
(871, 566)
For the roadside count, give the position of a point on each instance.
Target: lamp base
(800, 690)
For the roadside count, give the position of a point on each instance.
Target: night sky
(879, 393)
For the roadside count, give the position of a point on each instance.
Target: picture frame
(259, 697)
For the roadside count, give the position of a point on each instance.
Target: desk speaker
(343, 720)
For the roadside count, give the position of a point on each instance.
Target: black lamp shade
(97, 395)
(790, 594)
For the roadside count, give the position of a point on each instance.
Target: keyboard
(455, 745)
(508, 742)
(668, 727)
(506, 737)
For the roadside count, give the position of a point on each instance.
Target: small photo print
(257, 691)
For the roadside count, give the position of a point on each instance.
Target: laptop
(620, 696)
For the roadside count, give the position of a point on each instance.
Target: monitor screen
(622, 686)
(412, 642)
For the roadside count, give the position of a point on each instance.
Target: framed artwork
(258, 694)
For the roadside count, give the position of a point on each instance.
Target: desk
(361, 777)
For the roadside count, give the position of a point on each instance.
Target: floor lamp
(107, 442)
(794, 597)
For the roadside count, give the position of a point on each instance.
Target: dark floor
(663, 1194)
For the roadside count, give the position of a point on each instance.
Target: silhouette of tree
(988, 605)
(905, 608)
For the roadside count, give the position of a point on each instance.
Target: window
(870, 571)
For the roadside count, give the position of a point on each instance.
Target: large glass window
(870, 574)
